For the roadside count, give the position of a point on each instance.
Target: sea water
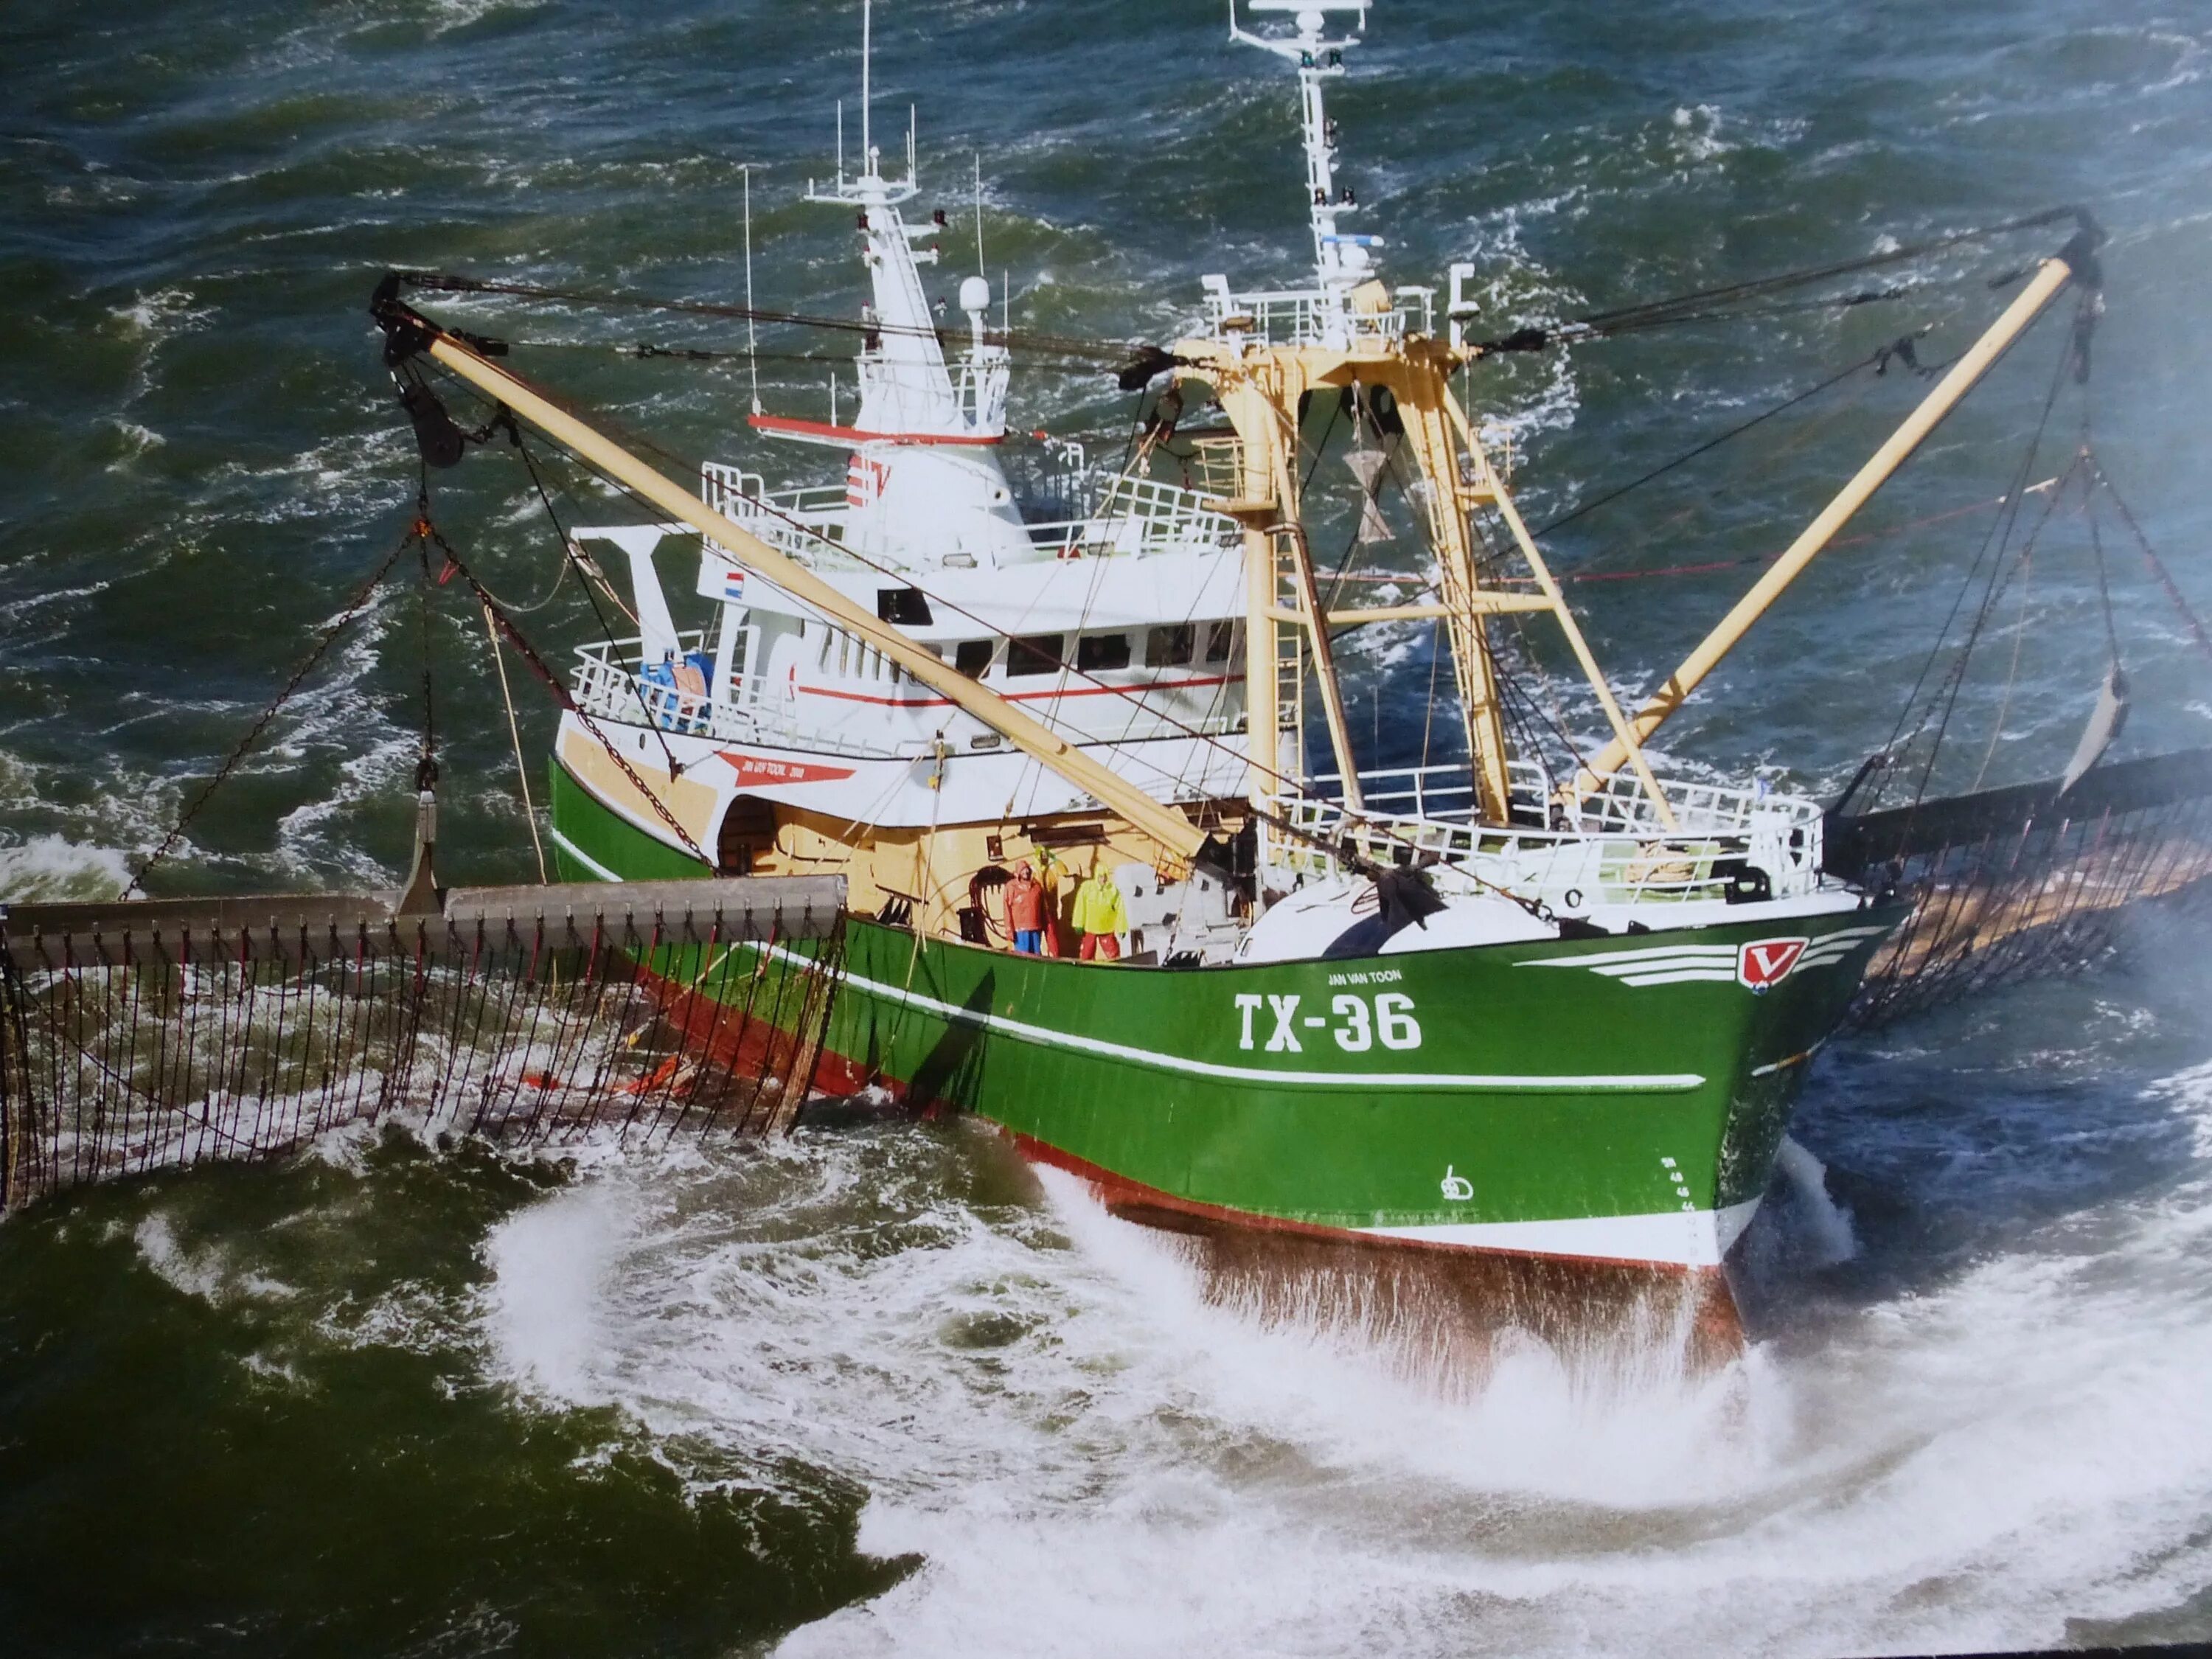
(881, 1388)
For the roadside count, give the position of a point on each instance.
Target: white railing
(1615, 852)
(609, 686)
(1135, 517)
(1140, 516)
(807, 524)
(917, 393)
(1322, 317)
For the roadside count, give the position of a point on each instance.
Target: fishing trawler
(1508, 1007)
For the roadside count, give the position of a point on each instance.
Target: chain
(562, 694)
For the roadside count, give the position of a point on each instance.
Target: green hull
(1590, 1098)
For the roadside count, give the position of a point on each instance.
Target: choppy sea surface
(880, 1388)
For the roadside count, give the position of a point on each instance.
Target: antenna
(752, 343)
(913, 130)
(979, 213)
(841, 144)
(868, 29)
(1339, 261)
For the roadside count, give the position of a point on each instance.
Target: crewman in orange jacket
(1025, 911)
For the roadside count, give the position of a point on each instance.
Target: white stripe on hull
(1676, 1238)
(1654, 1082)
(581, 856)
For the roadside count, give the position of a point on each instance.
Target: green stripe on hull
(1471, 1087)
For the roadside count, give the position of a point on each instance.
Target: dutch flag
(733, 583)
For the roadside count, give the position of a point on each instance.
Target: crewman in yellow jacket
(1100, 916)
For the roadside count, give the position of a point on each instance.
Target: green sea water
(880, 1388)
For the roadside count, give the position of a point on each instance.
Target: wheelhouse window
(1171, 647)
(1220, 641)
(1095, 652)
(972, 658)
(1033, 654)
(908, 607)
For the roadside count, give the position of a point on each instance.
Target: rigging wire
(1062, 345)
(606, 632)
(2000, 535)
(1877, 361)
(1682, 308)
(554, 682)
(245, 745)
(1138, 363)
(2024, 568)
(2188, 614)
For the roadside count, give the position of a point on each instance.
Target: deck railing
(1615, 852)
(609, 685)
(1140, 516)
(1316, 316)
(807, 524)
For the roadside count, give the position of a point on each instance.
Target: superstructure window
(1220, 641)
(1034, 654)
(1102, 651)
(972, 658)
(1171, 647)
(908, 607)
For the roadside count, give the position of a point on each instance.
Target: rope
(562, 695)
(1875, 360)
(426, 764)
(2158, 566)
(2025, 566)
(1060, 345)
(2001, 533)
(606, 633)
(245, 745)
(2104, 584)
(514, 731)
(1682, 308)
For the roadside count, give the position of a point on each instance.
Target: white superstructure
(1121, 628)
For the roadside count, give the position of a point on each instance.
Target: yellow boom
(2051, 276)
(1163, 824)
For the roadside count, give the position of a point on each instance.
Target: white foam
(50, 867)
(205, 1273)
(549, 1263)
(1092, 1459)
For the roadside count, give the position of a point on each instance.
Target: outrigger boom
(408, 331)
(2077, 261)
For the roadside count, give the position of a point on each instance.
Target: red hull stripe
(854, 436)
(1119, 1192)
(1139, 691)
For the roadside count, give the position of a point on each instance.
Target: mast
(1341, 260)
(922, 482)
(1350, 333)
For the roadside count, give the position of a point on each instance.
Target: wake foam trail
(50, 867)
(547, 1303)
(1088, 1458)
